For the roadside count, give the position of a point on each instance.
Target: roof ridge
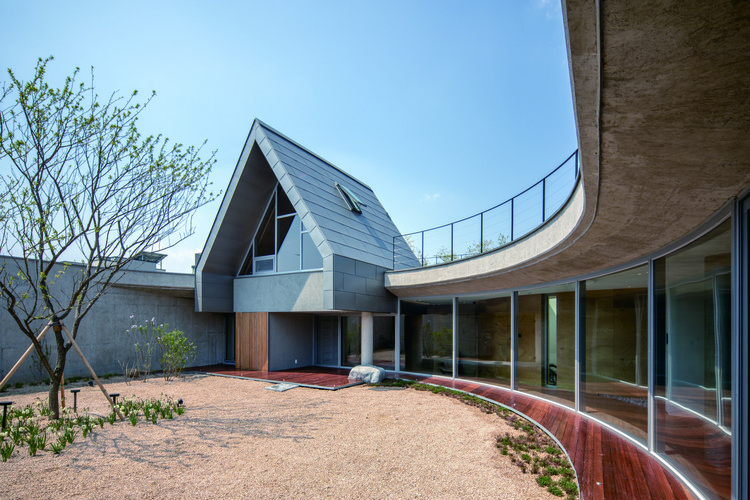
(264, 125)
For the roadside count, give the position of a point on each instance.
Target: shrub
(176, 353)
(142, 337)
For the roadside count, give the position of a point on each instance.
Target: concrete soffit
(228, 195)
(582, 35)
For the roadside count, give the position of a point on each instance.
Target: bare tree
(78, 182)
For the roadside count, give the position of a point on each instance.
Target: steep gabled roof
(310, 183)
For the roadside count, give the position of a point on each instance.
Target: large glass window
(265, 241)
(311, 258)
(288, 236)
(281, 243)
(615, 370)
(546, 343)
(427, 328)
(351, 340)
(327, 340)
(693, 362)
(384, 342)
(484, 336)
(229, 338)
(675, 344)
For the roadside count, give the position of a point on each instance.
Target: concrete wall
(102, 335)
(213, 292)
(290, 339)
(488, 271)
(299, 292)
(344, 285)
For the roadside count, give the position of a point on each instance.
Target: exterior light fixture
(75, 399)
(5, 411)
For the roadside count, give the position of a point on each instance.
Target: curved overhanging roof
(663, 121)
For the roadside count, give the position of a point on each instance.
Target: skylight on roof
(350, 198)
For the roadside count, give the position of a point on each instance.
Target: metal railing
(491, 229)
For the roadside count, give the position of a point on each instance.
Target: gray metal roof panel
(309, 182)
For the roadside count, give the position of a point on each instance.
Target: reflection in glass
(351, 340)
(229, 338)
(428, 336)
(327, 340)
(615, 378)
(693, 392)
(384, 342)
(546, 343)
(265, 239)
(484, 339)
(311, 258)
(280, 244)
(285, 206)
(288, 257)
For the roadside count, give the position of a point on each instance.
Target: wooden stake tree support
(57, 327)
(23, 357)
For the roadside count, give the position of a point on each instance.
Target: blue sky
(444, 108)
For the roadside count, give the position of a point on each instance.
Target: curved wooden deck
(313, 377)
(608, 466)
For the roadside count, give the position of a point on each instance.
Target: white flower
(153, 319)
(132, 316)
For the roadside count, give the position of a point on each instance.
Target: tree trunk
(54, 404)
(54, 386)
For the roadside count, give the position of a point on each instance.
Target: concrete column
(367, 332)
(454, 355)
(514, 341)
(580, 366)
(398, 345)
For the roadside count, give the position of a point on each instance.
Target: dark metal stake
(5, 411)
(114, 397)
(75, 399)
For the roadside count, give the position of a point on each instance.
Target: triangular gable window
(281, 243)
(352, 202)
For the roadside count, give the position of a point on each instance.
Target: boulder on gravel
(367, 374)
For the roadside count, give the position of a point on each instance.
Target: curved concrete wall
(482, 268)
(663, 143)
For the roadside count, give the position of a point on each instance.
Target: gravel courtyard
(238, 440)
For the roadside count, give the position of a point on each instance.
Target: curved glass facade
(427, 327)
(546, 343)
(614, 374)
(693, 392)
(484, 335)
(590, 345)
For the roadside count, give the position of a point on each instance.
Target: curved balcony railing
(491, 229)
